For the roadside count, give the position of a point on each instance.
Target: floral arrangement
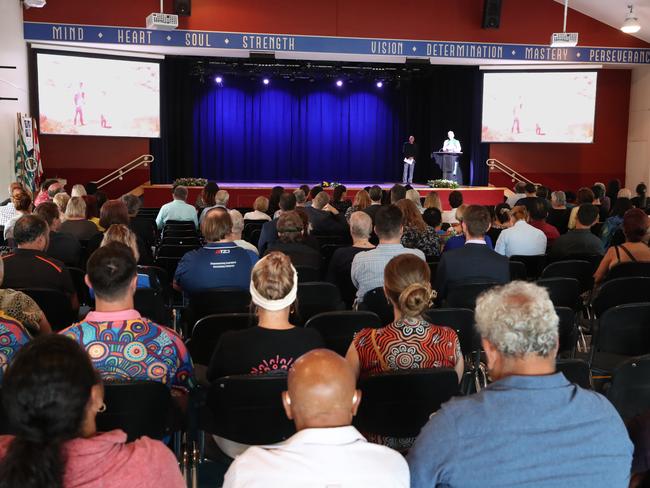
(190, 182)
(329, 184)
(443, 184)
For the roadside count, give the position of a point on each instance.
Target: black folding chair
(55, 305)
(83, 294)
(183, 232)
(465, 295)
(387, 396)
(564, 292)
(174, 251)
(315, 298)
(252, 230)
(576, 371)
(375, 301)
(150, 302)
(518, 271)
(630, 388)
(534, 264)
(579, 269)
(169, 264)
(208, 330)
(462, 321)
(620, 291)
(192, 241)
(338, 328)
(433, 269)
(179, 224)
(307, 274)
(217, 301)
(568, 328)
(629, 269)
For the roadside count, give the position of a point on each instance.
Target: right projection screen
(539, 106)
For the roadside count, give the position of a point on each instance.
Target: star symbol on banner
(578, 54)
(514, 52)
(169, 38)
(100, 35)
(415, 48)
(226, 41)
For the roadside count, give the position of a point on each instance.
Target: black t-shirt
(25, 268)
(257, 350)
(340, 266)
(559, 218)
(65, 247)
(410, 150)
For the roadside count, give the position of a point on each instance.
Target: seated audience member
(341, 262)
(408, 289)
(397, 192)
(599, 194)
(41, 195)
(8, 210)
(558, 215)
(455, 201)
(641, 199)
(23, 308)
(23, 206)
(61, 201)
(538, 219)
(15, 185)
(220, 263)
(367, 269)
(519, 193)
(605, 201)
(585, 195)
(52, 395)
(122, 234)
(580, 240)
(269, 232)
(177, 209)
(414, 196)
(63, 246)
(522, 239)
(305, 189)
(500, 221)
(78, 191)
(433, 218)
(609, 234)
(322, 401)
(121, 343)
(274, 200)
(624, 193)
(457, 239)
(260, 207)
(90, 187)
(312, 194)
(13, 336)
(237, 229)
(571, 199)
(576, 435)
(291, 242)
(432, 200)
(531, 197)
(417, 234)
(220, 201)
(274, 344)
(142, 227)
(301, 197)
(375, 193)
(338, 200)
(92, 211)
(475, 260)
(324, 218)
(635, 227)
(361, 202)
(207, 196)
(75, 220)
(30, 267)
(48, 194)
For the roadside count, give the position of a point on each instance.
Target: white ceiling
(612, 12)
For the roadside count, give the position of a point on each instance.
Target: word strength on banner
(112, 35)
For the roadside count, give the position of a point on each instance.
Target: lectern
(448, 163)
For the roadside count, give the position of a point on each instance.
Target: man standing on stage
(79, 102)
(410, 151)
(451, 144)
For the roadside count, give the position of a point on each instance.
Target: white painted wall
(13, 83)
(637, 167)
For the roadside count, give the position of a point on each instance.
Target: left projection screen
(90, 96)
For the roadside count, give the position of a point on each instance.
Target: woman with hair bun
(51, 395)
(410, 342)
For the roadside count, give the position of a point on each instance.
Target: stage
(244, 194)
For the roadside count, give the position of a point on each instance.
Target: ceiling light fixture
(631, 24)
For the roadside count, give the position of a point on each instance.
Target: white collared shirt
(338, 457)
(522, 239)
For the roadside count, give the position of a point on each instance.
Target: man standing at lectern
(410, 151)
(451, 144)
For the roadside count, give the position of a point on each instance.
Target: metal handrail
(118, 174)
(504, 168)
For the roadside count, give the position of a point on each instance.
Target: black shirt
(257, 350)
(576, 241)
(410, 150)
(65, 247)
(340, 266)
(81, 229)
(26, 268)
(300, 253)
(559, 218)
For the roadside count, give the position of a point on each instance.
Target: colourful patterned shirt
(408, 343)
(12, 337)
(125, 346)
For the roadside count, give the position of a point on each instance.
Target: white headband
(275, 305)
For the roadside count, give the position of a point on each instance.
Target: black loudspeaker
(183, 7)
(491, 14)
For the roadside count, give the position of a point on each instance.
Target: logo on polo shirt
(222, 251)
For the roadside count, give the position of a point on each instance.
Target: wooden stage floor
(243, 194)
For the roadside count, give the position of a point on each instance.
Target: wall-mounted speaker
(183, 7)
(491, 14)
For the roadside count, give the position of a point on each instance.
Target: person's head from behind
(92, 210)
(635, 225)
(571, 197)
(530, 190)
(360, 225)
(113, 212)
(61, 201)
(49, 212)
(31, 232)
(598, 192)
(315, 191)
(407, 285)
(339, 192)
(411, 216)
(304, 188)
(519, 213)
(301, 197)
(621, 206)
(361, 200)
(221, 198)
(53, 189)
(78, 191)
(414, 196)
(112, 273)
(641, 190)
(121, 233)
(433, 217)
(47, 183)
(180, 193)
(476, 222)
(411, 139)
(274, 284)
(558, 199)
(613, 186)
(51, 394)
(397, 193)
(519, 329)
(585, 195)
(90, 187)
(76, 209)
(502, 214)
(216, 225)
(520, 187)
(538, 210)
(543, 192)
(261, 204)
(388, 223)
(287, 202)
(22, 202)
(290, 227)
(375, 193)
(321, 391)
(432, 200)
(624, 193)
(237, 224)
(587, 216)
(455, 199)
(132, 203)
(321, 200)
(208, 193)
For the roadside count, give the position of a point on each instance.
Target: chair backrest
(315, 298)
(399, 403)
(576, 371)
(462, 321)
(193, 241)
(169, 264)
(630, 389)
(208, 330)
(138, 408)
(625, 329)
(174, 251)
(183, 232)
(179, 224)
(218, 301)
(518, 271)
(307, 274)
(83, 294)
(581, 270)
(338, 328)
(564, 292)
(375, 301)
(465, 295)
(593, 259)
(247, 409)
(625, 270)
(620, 291)
(55, 305)
(534, 264)
(150, 302)
(568, 328)
(433, 270)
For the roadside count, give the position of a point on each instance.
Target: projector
(160, 21)
(564, 39)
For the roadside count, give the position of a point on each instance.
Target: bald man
(327, 451)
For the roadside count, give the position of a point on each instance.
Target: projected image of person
(105, 106)
(516, 114)
(409, 151)
(79, 102)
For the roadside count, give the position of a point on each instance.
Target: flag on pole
(28, 166)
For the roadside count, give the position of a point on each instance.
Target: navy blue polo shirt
(216, 265)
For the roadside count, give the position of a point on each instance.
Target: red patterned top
(408, 343)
